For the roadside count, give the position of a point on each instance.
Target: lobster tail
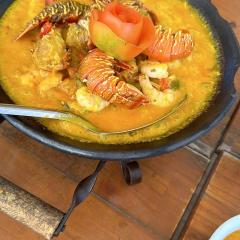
(97, 71)
(169, 46)
(59, 12)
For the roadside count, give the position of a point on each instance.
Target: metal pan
(203, 124)
(219, 107)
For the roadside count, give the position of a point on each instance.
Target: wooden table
(186, 194)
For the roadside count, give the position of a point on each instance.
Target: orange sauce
(199, 74)
(233, 236)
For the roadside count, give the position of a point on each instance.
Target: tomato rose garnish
(120, 31)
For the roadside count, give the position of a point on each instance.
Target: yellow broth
(199, 74)
(233, 236)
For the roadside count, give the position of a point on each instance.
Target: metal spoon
(16, 110)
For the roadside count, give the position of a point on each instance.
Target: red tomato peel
(131, 32)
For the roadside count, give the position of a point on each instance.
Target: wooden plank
(159, 201)
(220, 201)
(12, 230)
(208, 144)
(230, 11)
(58, 159)
(93, 219)
(157, 204)
(232, 139)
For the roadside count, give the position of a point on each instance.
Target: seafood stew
(113, 87)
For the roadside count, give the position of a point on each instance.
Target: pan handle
(28, 209)
(38, 215)
(45, 219)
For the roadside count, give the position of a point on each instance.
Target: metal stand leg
(82, 191)
(1, 119)
(131, 172)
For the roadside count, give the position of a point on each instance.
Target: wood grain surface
(93, 218)
(149, 211)
(220, 201)
(232, 138)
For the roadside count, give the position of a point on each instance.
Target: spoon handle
(11, 109)
(16, 110)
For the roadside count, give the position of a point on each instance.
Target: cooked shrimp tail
(90, 102)
(159, 98)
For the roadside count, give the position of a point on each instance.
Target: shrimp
(90, 102)
(159, 98)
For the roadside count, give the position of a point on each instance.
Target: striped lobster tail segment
(59, 12)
